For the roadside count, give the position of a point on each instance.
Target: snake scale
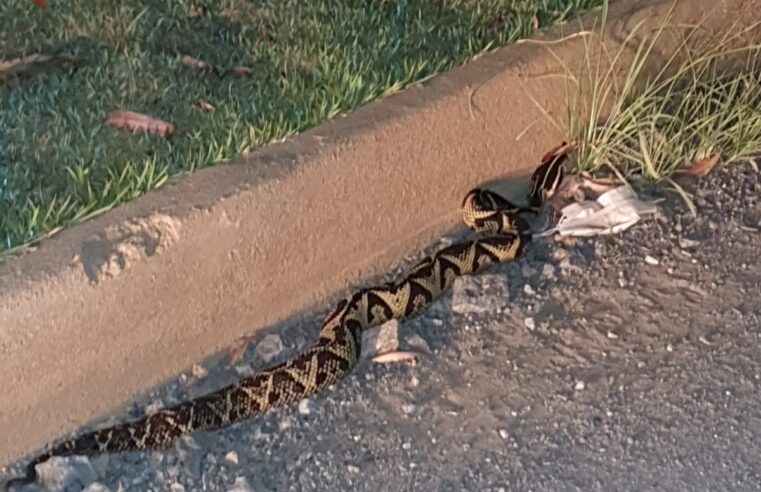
(503, 234)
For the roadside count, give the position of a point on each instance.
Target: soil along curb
(117, 305)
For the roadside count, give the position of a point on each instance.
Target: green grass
(704, 101)
(310, 61)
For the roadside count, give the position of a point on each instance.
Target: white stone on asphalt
(60, 474)
(269, 347)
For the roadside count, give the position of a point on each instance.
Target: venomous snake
(503, 234)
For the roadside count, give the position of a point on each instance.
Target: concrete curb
(115, 306)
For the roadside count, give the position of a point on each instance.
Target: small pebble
(198, 371)
(651, 261)
(407, 445)
(354, 470)
(418, 342)
(382, 339)
(580, 386)
(269, 347)
(244, 370)
(529, 323)
(232, 458)
(177, 487)
(408, 408)
(669, 347)
(528, 290)
(154, 407)
(60, 473)
(504, 434)
(240, 485)
(305, 406)
(548, 271)
(685, 243)
(559, 254)
(96, 487)
(565, 265)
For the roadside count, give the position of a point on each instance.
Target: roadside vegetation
(700, 108)
(229, 75)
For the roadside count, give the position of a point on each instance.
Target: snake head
(547, 178)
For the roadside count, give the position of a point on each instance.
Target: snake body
(503, 236)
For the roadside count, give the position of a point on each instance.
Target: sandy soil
(584, 368)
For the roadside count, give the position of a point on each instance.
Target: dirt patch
(106, 255)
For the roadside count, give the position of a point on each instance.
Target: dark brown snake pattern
(503, 237)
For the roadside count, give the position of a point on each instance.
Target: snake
(502, 235)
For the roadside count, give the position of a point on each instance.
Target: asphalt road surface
(624, 363)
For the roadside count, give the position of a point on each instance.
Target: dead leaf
(196, 10)
(397, 356)
(70, 58)
(200, 65)
(25, 61)
(204, 105)
(128, 120)
(263, 32)
(607, 180)
(702, 167)
(599, 186)
(16, 69)
(7, 66)
(567, 241)
(535, 22)
(52, 232)
(240, 70)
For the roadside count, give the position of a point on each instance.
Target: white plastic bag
(614, 211)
